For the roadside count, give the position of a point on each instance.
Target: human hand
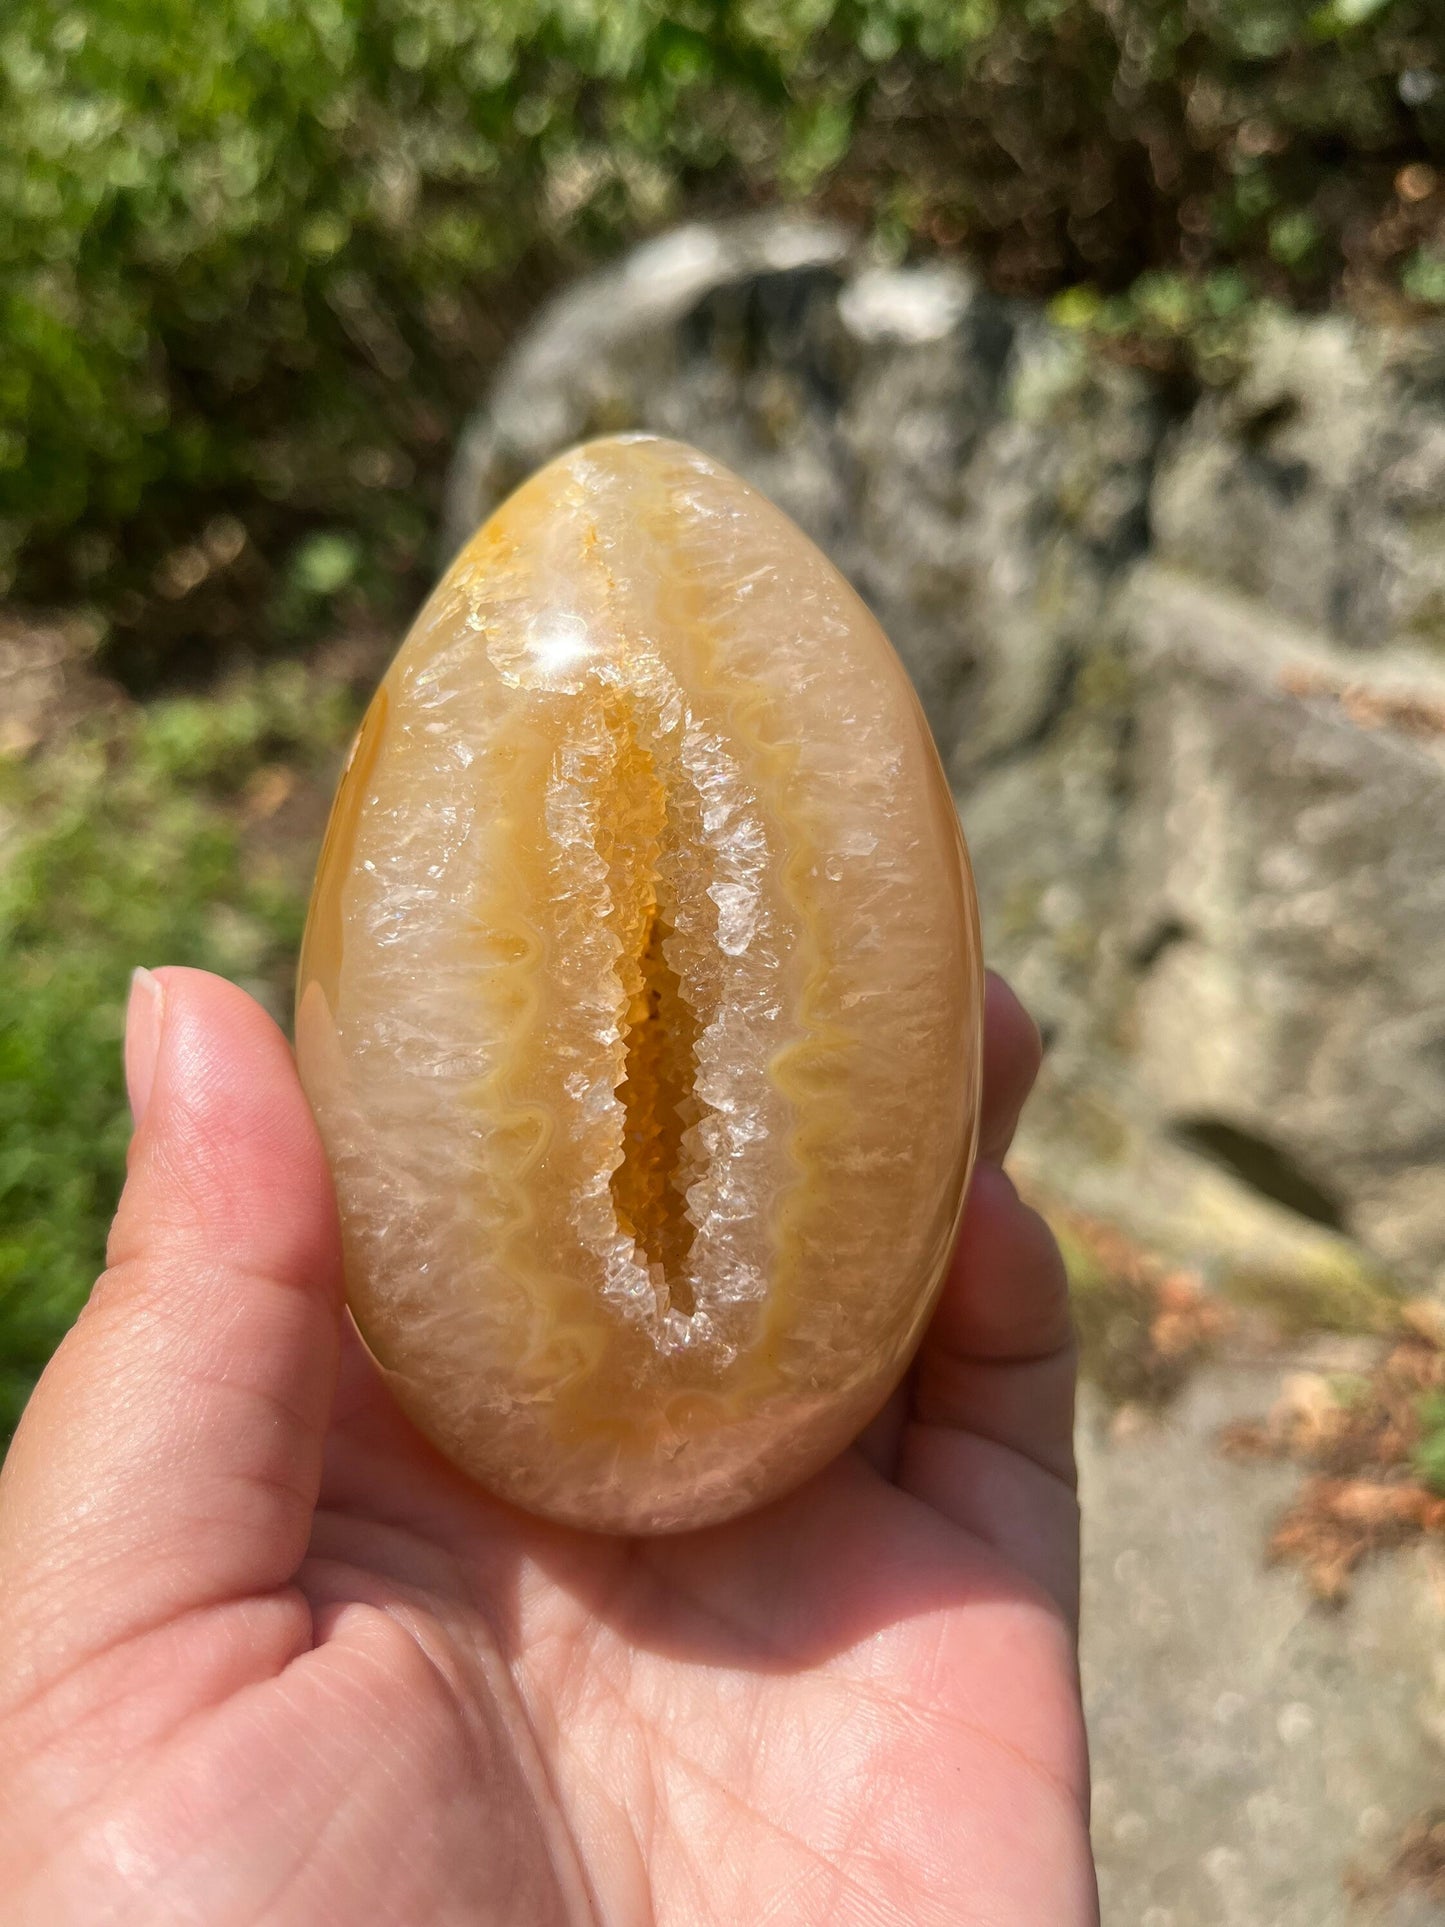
(266, 1657)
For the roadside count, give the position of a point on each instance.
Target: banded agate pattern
(640, 1001)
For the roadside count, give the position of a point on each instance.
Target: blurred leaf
(1424, 276)
(326, 563)
(1293, 237)
(1429, 1460)
(1078, 307)
(1339, 16)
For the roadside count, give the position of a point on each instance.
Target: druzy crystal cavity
(640, 1000)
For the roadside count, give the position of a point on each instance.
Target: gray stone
(1317, 481)
(721, 335)
(1251, 1748)
(1286, 882)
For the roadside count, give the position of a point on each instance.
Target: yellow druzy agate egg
(640, 1002)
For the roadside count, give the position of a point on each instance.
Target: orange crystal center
(649, 1186)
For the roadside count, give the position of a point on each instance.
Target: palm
(840, 1708)
(857, 1705)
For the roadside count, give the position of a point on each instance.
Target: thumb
(170, 1456)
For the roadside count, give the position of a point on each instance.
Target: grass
(126, 844)
(1333, 1291)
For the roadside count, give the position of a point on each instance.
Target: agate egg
(640, 1002)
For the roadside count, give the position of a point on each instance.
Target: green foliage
(255, 255)
(1167, 315)
(122, 846)
(1424, 277)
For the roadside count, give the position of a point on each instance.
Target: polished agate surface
(640, 1002)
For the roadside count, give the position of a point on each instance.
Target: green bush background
(130, 850)
(255, 253)
(256, 257)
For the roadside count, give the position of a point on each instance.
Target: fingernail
(143, 1018)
